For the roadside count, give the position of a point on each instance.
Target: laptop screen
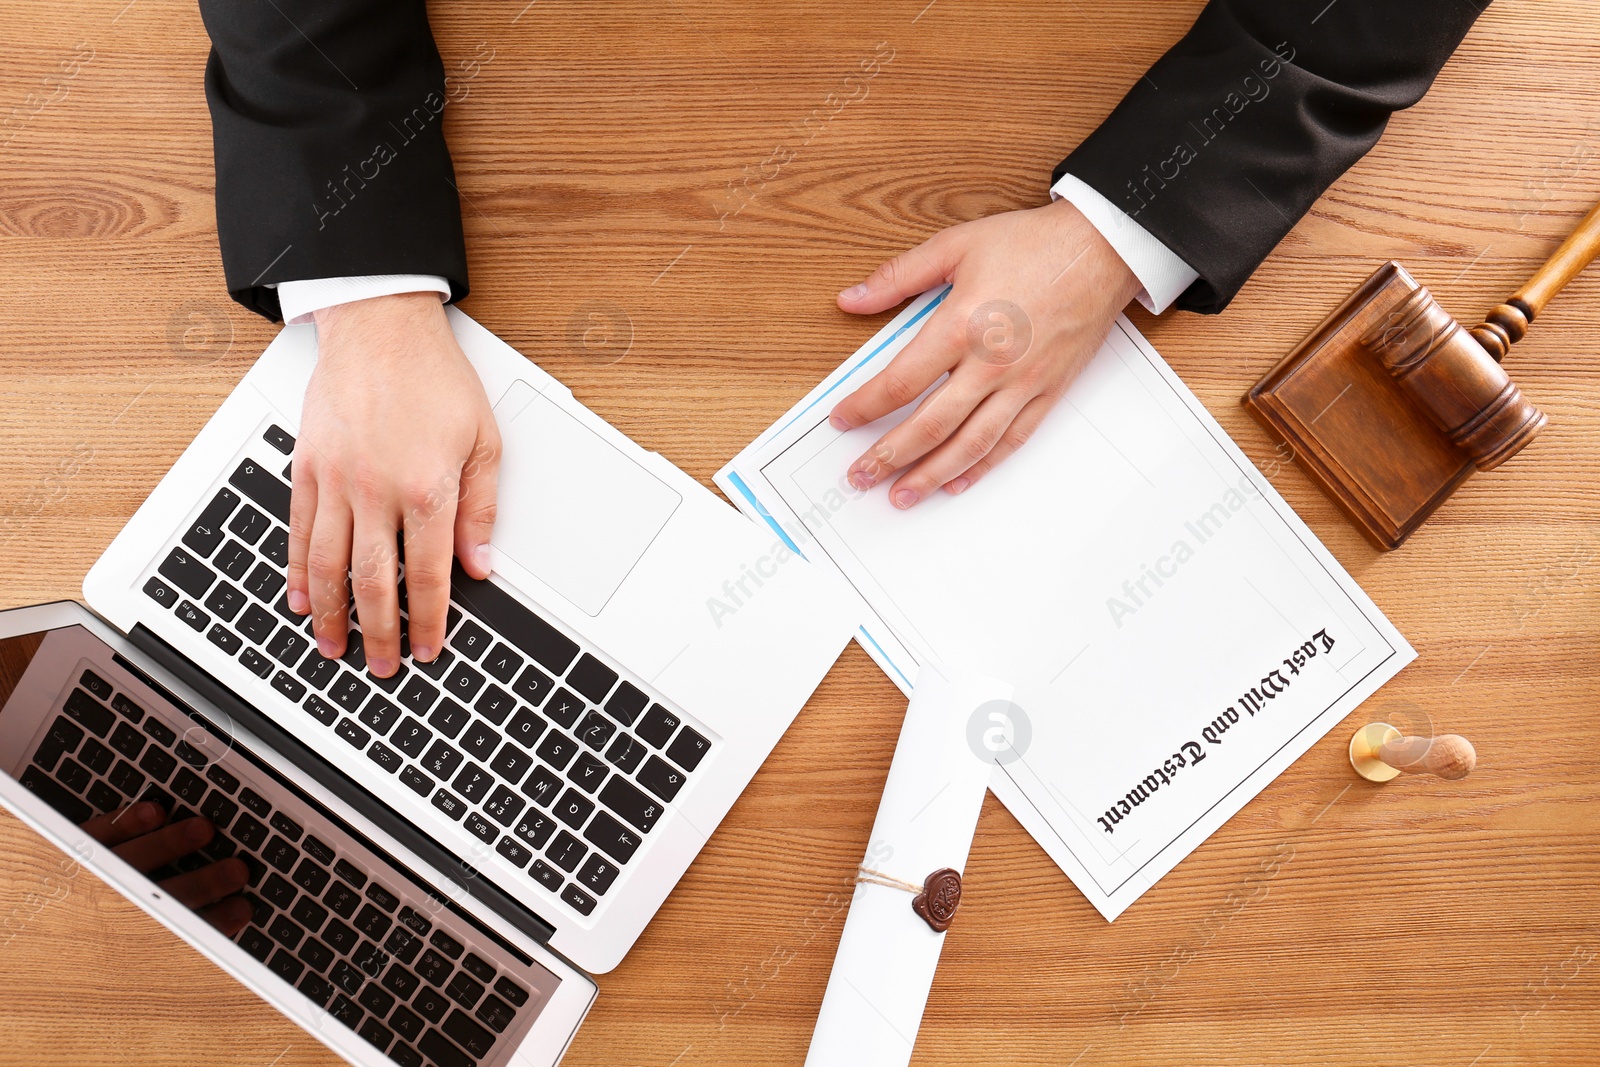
(304, 893)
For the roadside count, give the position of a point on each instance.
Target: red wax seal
(940, 896)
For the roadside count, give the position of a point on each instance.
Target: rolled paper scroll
(909, 884)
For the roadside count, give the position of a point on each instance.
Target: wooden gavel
(1390, 404)
(1379, 753)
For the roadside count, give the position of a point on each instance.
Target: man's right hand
(397, 438)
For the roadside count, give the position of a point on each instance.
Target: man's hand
(137, 833)
(1034, 295)
(397, 438)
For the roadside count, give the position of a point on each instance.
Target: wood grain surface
(1332, 921)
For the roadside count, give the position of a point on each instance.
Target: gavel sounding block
(1359, 436)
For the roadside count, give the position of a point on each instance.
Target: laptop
(439, 861)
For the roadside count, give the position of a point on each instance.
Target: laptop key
(661, 778)
(317, 670)
(401, 982)
(51, 792)
(481, 828)
(480, 740)
(309, 876)
(104, 799)
(159, 730)
(227, 640)
(256, 942)
(417, 695)
(309, 914)
(626, 703)
(449, 803)
(688, 749)
(503, 805)
(525, 727)
(275, 546)
(234, 560)
(219, 809)
(416, 781)
(373, 922)
(98, 758)
(321, 710)
(597, 875)
(385, 757)
(495, 704)
(513, 852)
(193, 617)
(546, 875)
(403, 945)
(470, 640)
(186, 572)
(280, 854)
(158, 764)
(219, 777)
(473, 782)
(412, 738)
(264, 583)
(449, 718)
(255, 662)
(535, 828)
(344, 1009)
(262, 487)
(288, 686)
(286, 931)
(125, 778)
(125, 739)
(591, 678)
(468, 1034)
(657, 725)
(279, 438)
(342, 899)
(577, 900)
(441, 760)
(595, 730)
(225, 600)
(257, 624)
(251, 833)
(464, 989)
(565, 708)
(160, 592)
(287, 646)
(382, 897)
(189, 787)
(90, 712)
(574, 808)
(503, 663)
(542, 786)
(436, 969)
(346, 976)
(74, 775)
(627, 753)
(511, 763)
(587, 772)
(429, 1002)
(350, 691)
(249, 524)
(317, 989)
(436, 1047)
(478, 967)
(516, 624)
(633, 804)
(351, 733)
(558, 749)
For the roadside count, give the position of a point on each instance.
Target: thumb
(900, 278)
(480, 477)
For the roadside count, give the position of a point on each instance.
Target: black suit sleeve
(328, 127)
(1236, 131)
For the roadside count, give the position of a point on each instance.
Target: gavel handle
(1507, 323)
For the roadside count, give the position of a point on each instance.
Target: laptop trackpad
(574, 509)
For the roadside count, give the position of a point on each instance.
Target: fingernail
(861, 480)
(905, 498)
(855, 292)
(480, 556)
(146, 812)
(838, 423)
(197, 830)
(422, 653)
(960, 484)
(381, 668)
(299, 603)
(328, 649)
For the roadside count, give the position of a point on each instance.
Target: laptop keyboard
(544, 750)
(328, 916)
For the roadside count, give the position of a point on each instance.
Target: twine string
(867, 876)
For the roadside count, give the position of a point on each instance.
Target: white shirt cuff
(302, 299)
(1163, 275)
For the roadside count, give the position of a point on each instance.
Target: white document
(1175, 634)
(887, 954)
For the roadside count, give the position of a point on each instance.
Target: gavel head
(1454, 379)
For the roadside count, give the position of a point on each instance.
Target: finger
(126, 823)
(911, 272)
(302, 512)
(209, 884)
(430, 518)
(930, 425)
(328, 566)
(475, 513)
(1014, 437)
(939, 347)
(230, 915)
(374, 577)
(975, 439)
(171, 842)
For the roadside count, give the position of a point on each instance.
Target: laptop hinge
(380, 815)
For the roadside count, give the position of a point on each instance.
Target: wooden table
(1330, 922)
